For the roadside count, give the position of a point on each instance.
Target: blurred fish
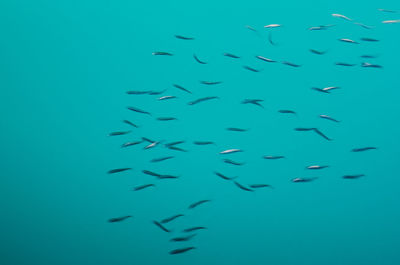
(119, 219)
(210, 82)
(174, 143)
(328, 118)
(223, 176)
(182, 88)
(369, 39)
(131, 143)
(363, 25)
(180, 250)
(345, 64)
(231, 55)
(157, 92)
(183, 238)
(253, 101)
(162, 53)
(230, 151)
(341, 16)
(118, 170)
(166, 97)
(321, 134)
(136, 92)
(371, 65)
(166, 119)
(348, 41)
(316, 167)
(353, 176)
(257, 186)
(251, 69)
(317, 52)
(330, 88)
(241, 186)
(198, 60)
(130, 123)
(322, 27)
(272, 26)
(362, 149)
(194, 102)
(194, 205)
(169, 219)
(161, 226)
(236, 129)
(138, 110)
(303, 179)
(151, 173)
(273, 157)
(152, 145)
(155, 160)
(368, 56)
(176, 148)
(203, 142)
(143, 187)
(320, 90)
(118, 133)
(183, 38)
(303, 129)
(265, 59)
(270, 39)
(291, 64)
(285, 111)
(251, 28)
(387, 10)
(391, 21)
(191, 229)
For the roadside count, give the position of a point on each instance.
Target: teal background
(64, 70)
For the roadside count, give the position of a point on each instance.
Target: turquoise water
(65, 70)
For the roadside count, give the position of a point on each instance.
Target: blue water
(65, 67)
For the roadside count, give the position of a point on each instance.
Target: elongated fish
(174, 143)
(363, 25)
(181, 250)
(273, 157)
(141, 187)
(322, 27)
(230, 151)
(231, 55)
(210, 82)
(387, 10)
(194, 205)
(195, 228)
(170, 219)
(254, 102)
(286, 111)
(182, 88)
(119, 219)
(316, 167)
(362, 149)
(353, 176)
(257, 186)
(291, 64)
(175, 148)
(317, 52)
(155, 160)
(328, 118)
(345, 64)
(368, 56)
(329, 88)
(391, 21)
(223, 176)
(317, 131)
(265, 59)
(161, 226)
(131, 143)
(183, 38)
(198, 60)
(303, 179)
(233, 129)
(130, 123)
(320, 90)
(118, 133)
(138, 110)
(182, 238)
(137, 92)
(118, 170)
(272, 26)
(370, 65)
(151, 173)
(166, 97)
(194, 102)
(251, 69)
(240, 186)
(203, 142)
(167, 119)
(369, 39)
(157, 92)
(341, 16)
(348, 41)
(162, 53)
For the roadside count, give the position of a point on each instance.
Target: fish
(228, 161)
(330, 88)
(223, 176)
(345, 64)
(291, 64)
(370, 65)
(254, 102)
(341, 16)
(153, 144)
(166, 119)
(251, 28)
(147, 140)
(182, 88)
(118, 170)
(251, 69)
(270, 39)
(316, 167)
(273, 157)
(317, 52)
(169, 219)
(157, 92)
(167, 177)
(181, 250)
(203, 142)
(155, 160)
(265, 59)
(231, 55)
(130, 123)
(320, 90)
(322, 27)
(176, 148)
(119, 219)
(151, 173)
(166, 97)
(303, 129)
(391, 21)
(194, 102)
(272, 26)
(161, 226)
(191, 229)
(136, 92)
(183, 238)
(118, 133)
(183, 38)
(230, 151)
(241, 186)
(138, 110)
(328, 118)
(236, 129)
(131, 144)
(349, 41)
(316, 130)
(362, 149)
(162, 53)
(368, 56)
(353, 176)
(210, 82)
(387, 10)
(369, 39)
(363, 25)
(284, 111)
(194, 205)
(143, 187)
(304, 179)
(174, 143)
(257, 186)
(198, 60)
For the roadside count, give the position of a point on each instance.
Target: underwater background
(65, 67)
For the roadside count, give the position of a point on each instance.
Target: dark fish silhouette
(257, 186)
(317, 52)
(284, 111)
(130, 123)
(231, 55)
(316, 130)
(363, 149)
(223, 176)
(303, 129)
(118, 133)
(174, 143)
(180, 250)
(229, 161)
(370, 65)
(117, 170)
(320, 90)
(167, 177)
(183, 238)
(322, 27)
(303, 179)
(176, 148)
(131, 143)
(265, 59)
(353, 176)
(136, 92)
(183, 38)
(203, 142)
(251, 69)
(210, 82)
(166, 119)
(157, 92)
(194, 205)
(155, 160)
(194, 102)
(368, 56)
(270, 39)
(161, 226)
(236, 129)
(345, 64)
(328, 118)
(151, 173)
(162, 53)
(148, 140)
(169, 219)
(143, 187)
(119, 219)
(138, 110)
(253, 101)
(191, 229)
(198, 60)
(241, 186)
(369, 39)
(273, 157)
(291, 64)
(182, 88)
